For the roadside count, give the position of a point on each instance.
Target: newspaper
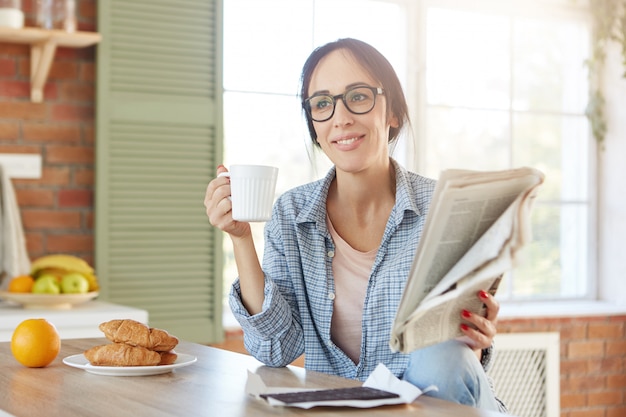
(476, 225)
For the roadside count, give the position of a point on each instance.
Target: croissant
(135, 333)
(168, 358)
(121, 354)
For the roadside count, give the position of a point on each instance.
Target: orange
(21, 283)
(35, 343)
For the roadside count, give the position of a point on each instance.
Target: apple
(46, 284)
(74, 283)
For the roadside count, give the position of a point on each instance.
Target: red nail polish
(466, 314)
(483, 294)
(464, 327)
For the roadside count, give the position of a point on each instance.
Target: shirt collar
(406, 198)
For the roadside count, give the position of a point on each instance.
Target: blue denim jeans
(454, 368)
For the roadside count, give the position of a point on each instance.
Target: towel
(14, 258)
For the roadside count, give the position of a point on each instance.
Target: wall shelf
(43, 44)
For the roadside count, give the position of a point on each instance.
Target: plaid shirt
(299, 287)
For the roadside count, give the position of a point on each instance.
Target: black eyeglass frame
(307, 103)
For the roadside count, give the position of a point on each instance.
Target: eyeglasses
(358, 100)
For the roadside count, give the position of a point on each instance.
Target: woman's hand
(485, 330)
(219, 207)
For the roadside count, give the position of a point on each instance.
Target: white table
(81, 321)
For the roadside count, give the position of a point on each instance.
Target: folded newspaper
(476, 225)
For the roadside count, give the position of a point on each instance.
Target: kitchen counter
(80, 321)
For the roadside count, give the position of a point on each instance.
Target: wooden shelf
(43, 44)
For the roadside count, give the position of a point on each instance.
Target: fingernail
(220, 166)
(466, 314)
(483, 294)
(464, 327)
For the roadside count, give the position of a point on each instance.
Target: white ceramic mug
(252, 189)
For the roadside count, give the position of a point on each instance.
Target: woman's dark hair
(376, 66)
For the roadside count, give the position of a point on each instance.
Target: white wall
(612, 186)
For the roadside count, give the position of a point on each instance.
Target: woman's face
(353, 142)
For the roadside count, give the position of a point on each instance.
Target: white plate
(47, 301)
(79, 361)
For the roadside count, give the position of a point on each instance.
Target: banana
(60, 264)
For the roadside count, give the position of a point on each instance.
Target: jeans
(454, 368)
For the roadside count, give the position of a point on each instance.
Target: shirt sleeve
(272, 336)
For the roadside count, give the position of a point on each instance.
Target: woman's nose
(342, 115)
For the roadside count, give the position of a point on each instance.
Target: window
(505, 88)
(490, 87)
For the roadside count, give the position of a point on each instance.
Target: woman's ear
(393, 122)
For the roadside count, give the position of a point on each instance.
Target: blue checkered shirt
(299, 288)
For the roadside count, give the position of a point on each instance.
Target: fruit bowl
(47, 301)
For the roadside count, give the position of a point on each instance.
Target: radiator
(526, 373)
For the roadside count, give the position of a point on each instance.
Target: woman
(338, 251)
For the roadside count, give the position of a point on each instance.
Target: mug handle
(225, 174)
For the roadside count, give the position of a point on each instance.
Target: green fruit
(46, 284)
(74, 283)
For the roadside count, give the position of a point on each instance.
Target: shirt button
(331, 253)
(331, 295)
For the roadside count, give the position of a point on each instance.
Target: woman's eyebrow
(349, 86)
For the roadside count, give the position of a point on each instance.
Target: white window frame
(416, 95)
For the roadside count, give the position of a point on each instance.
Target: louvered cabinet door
(158, 142)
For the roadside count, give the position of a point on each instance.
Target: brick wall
(593, 362)
(57, 209)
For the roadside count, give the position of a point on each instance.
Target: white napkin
(14, 258)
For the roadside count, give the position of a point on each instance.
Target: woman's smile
(347, 142)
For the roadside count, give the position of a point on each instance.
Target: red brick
(76, 55)
(573, 332)
(606, 330)
(84, 177)
(610, 365)
(595, 412)
(604, 398)
(15, 88)
(22, 110)
(89, 134)
(89, 220)
(8, 68)
(69, 154)
(69, 243)
(9, 130)
(20, 149)
(14, 49)
(49, 219)
(75, 92)
(573, 400)
(87, 9)
(55, 176)
(585, 349)
(34, 244)
(616, 381)
(616, 411)
(75, 198)
(88, 72)
(72, 112)
(578, 384)
(51, 133)
(63, 69)
(32, 197)
(575, 366)
(616, 348)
